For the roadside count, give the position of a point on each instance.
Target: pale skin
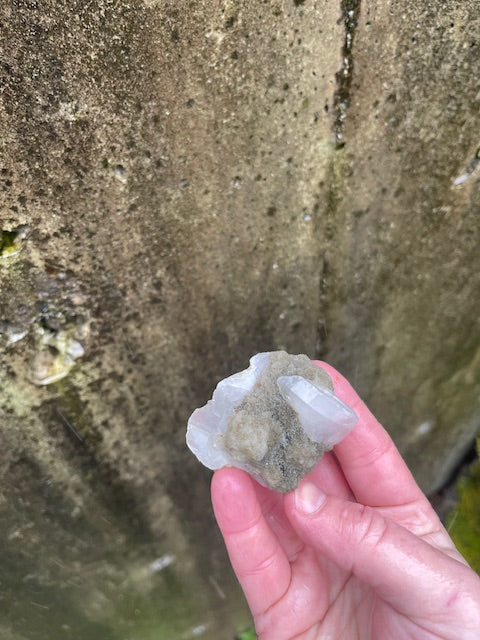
(355, 553)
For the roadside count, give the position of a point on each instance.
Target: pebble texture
(202, 181)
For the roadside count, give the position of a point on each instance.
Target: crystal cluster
(274, 420)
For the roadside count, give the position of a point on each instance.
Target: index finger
(371, 463)
(259, 562)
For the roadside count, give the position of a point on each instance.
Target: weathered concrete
(404, 323)
(202, 182)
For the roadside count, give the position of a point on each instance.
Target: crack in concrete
(350, 10)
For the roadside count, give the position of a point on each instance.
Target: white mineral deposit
(275, 420)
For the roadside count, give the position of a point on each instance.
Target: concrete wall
(185, 184)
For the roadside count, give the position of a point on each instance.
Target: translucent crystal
(274, 420)
(324, 417)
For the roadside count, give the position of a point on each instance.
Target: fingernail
(308, 498)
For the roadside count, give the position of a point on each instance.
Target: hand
(356, 552)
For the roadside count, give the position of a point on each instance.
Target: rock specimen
(274, 420)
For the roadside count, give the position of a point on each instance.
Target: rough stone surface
(401, 310)
(181, 171)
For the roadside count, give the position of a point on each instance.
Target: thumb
(403, 569)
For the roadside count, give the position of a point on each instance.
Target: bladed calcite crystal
(274, 420)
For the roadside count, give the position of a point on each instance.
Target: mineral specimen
(274, 420)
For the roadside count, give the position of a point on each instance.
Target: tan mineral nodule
(274, 420)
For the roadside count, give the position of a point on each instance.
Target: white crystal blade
(324, 417)
(202, 436)
(208, 423)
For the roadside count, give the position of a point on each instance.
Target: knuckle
(261, 565)
(382, 448)
(368, 528)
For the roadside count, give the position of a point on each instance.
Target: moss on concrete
(249, 634)
(463, 523)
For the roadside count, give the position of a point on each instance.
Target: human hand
(355, 552)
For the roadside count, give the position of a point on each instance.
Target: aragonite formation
(274, 420)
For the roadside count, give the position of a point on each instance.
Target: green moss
(463, 523)
(11, 241)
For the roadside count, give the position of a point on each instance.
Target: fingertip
(234, 499)
(228, 479)
(342, 387)
(308, 498)
(332, 372)
(305, 507)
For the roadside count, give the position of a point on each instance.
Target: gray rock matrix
(265, 432)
